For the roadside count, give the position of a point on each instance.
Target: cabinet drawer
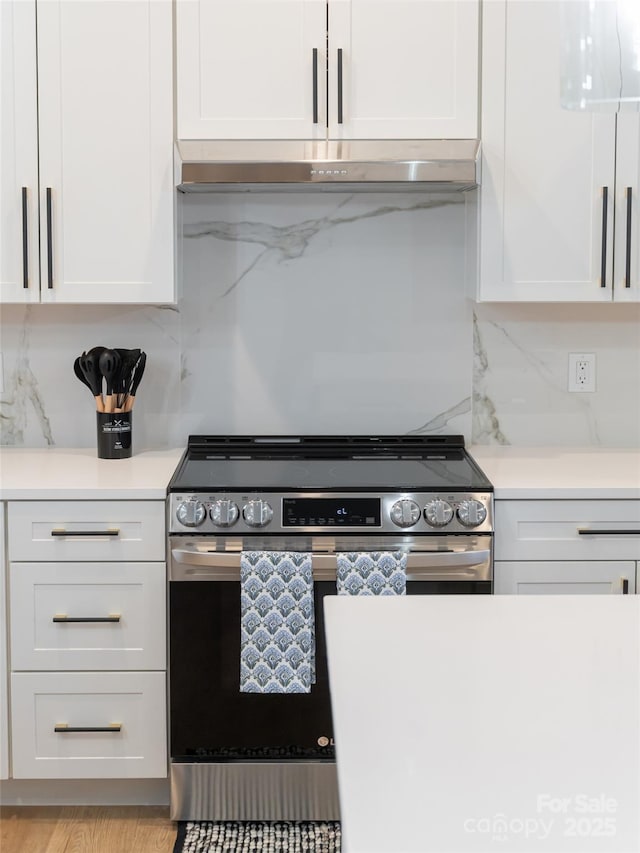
(115, 616)
(128, 707)
(86, 530)
(567, 530)
(576, 577)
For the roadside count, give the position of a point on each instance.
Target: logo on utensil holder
(114, 435)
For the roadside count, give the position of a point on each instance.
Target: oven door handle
(421, 565)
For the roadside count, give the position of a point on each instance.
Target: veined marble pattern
(45, 404)
(521, 374)
(321, 313)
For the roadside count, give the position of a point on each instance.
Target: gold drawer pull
(110, 531)
(65, 728)
(596, 531)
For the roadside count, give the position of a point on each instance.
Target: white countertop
(521, 473)
(69, 474)
(450, 744)
(539, 473)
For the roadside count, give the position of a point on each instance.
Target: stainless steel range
(242, 756)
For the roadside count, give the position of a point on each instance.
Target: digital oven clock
(331, 512)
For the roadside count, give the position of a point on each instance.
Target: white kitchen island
(474, 723)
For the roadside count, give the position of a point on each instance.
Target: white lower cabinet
(596, 577)
(87, 625)
(88, 725)
(88, 616)
(581, 547)
(4, 703)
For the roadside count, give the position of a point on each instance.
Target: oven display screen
(331, 512)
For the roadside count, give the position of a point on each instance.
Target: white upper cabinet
(104, 203)
(312, 69)
(251, 69)
(549, 192)
(403, 69)
(19, 277)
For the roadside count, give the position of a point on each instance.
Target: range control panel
(417, 512)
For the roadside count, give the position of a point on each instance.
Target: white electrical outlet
(582, 371)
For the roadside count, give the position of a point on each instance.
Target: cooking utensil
(77, 369)
(109, 364)
(128, 359)
(91, 372)
(138, 370)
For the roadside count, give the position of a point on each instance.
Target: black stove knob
(224, 513)
(191, 513)
(257, 513)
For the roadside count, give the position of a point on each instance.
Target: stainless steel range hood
(375, 165)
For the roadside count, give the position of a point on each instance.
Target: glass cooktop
(272, 464)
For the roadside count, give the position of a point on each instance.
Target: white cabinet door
(89, 725)
(106, 148)
(567, 530)
(92, 616)
(19, 277)
(4, 704)
(409, 69)
(568, 578)
(68, 531)
(626, 281)
(543, 207)
(248, 69)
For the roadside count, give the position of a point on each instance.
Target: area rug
(258, 837)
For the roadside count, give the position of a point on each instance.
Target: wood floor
(86, 829)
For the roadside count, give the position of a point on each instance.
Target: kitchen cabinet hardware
(315, 84)
(627, 262)
(110, 531)
(340, 115)
(595, 531)
(25, 239)
(49, 239)
(63, 618)
(625, 586)
(63, 728)
(603, 256)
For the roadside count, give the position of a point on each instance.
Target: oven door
(224, 740)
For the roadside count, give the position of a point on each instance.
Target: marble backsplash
(328, 313)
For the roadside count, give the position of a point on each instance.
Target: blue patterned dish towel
(277, 622)
(372, 573)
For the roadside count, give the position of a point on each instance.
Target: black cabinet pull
(113, 531)
(603, 261)
(49, 240)
(594, 531)
(340, 85)
(627, 270)
(625, 586)
(25, 239)
(315, 85)
(61, 617)
(64, 729)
